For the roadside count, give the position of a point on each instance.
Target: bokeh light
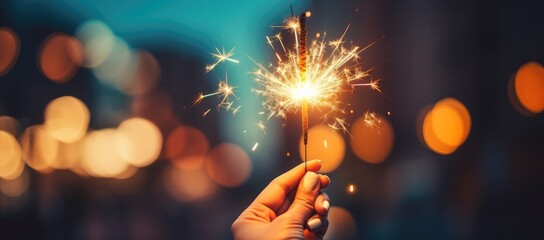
(68, 155)
(372, 143)
(60, 57)
(9, 47)
(446, 126)
(341, 224)
(9, 124)
(67, 119)
(145, 76)
(100, 156)
(97, 40)
(11, 164)
(138, 141)
(17, 186)
(351, 188)
(187, 148)
(118, 67)
(228, 165)
(529, 86)
(188, 186)
(326, 144)
(39, 148)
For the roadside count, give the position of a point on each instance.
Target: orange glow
(67, 119)
(128, 173)
(100, 157)
(68, 155)
(9, 47)
(146, 74)
(372, 143)
(138, 141)
(326, 144)
(351, 188)
(341, 224)
(529, 86)
(39, 148)
(17, 186)
(228, 165)
(187, 186)
(60, 57)
(9, 125)
(446, 126)
(187, 148)
(11, 164)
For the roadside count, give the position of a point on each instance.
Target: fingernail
(326, 205)
(310, 181)
(314, 224)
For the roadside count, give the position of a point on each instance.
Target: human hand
(283, 211)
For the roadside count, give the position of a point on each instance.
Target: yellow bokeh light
(187, 186)
(67, 119)
(372, 143)
(11, 164)
(100, 156)
(228, 165)
(341, 224)
(138, 141)
(187, 148)
(17, 186)
(68, 155)
(351, 188)
(331, 154)
(529, 86)
(9, 47)
(39, 148)
(60, 57)
(446, 126)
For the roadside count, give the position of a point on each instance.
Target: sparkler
(309, 77)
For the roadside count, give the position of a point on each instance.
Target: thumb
(303, 204)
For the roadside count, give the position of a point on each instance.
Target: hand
(283, 211)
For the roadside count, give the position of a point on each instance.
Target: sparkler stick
(302, 69)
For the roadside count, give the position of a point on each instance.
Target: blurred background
(100, 137)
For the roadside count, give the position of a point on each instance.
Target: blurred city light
(325, 144)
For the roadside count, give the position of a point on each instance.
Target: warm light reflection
(331, 153)
(529, 86)
(146, 74)
(138, 141)
(341, 224)
(187, 148)
(446, 126)
(67, 119)
(9, 125)
(100, 156)
(60, 57)
(11, 164)
(39, 148)
(97, 40)
(372, 143)
(188, 186)
(9, 49)
(17, 186)
(68, 155)
(228, 165)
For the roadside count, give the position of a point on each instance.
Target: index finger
(275, 193)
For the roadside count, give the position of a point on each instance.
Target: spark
(371, 120)
(325, 143)
(331, 69)
(224, 91)
(261, 126)
(255, 147)
(206, 112)
(221, 56)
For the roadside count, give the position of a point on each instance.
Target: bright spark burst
(332, 68)
(224, 91)
(221, 56)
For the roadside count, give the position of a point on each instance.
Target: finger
(303, 204)
(318, 230)
(325, 180)
(322, 204)
(275, 193)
